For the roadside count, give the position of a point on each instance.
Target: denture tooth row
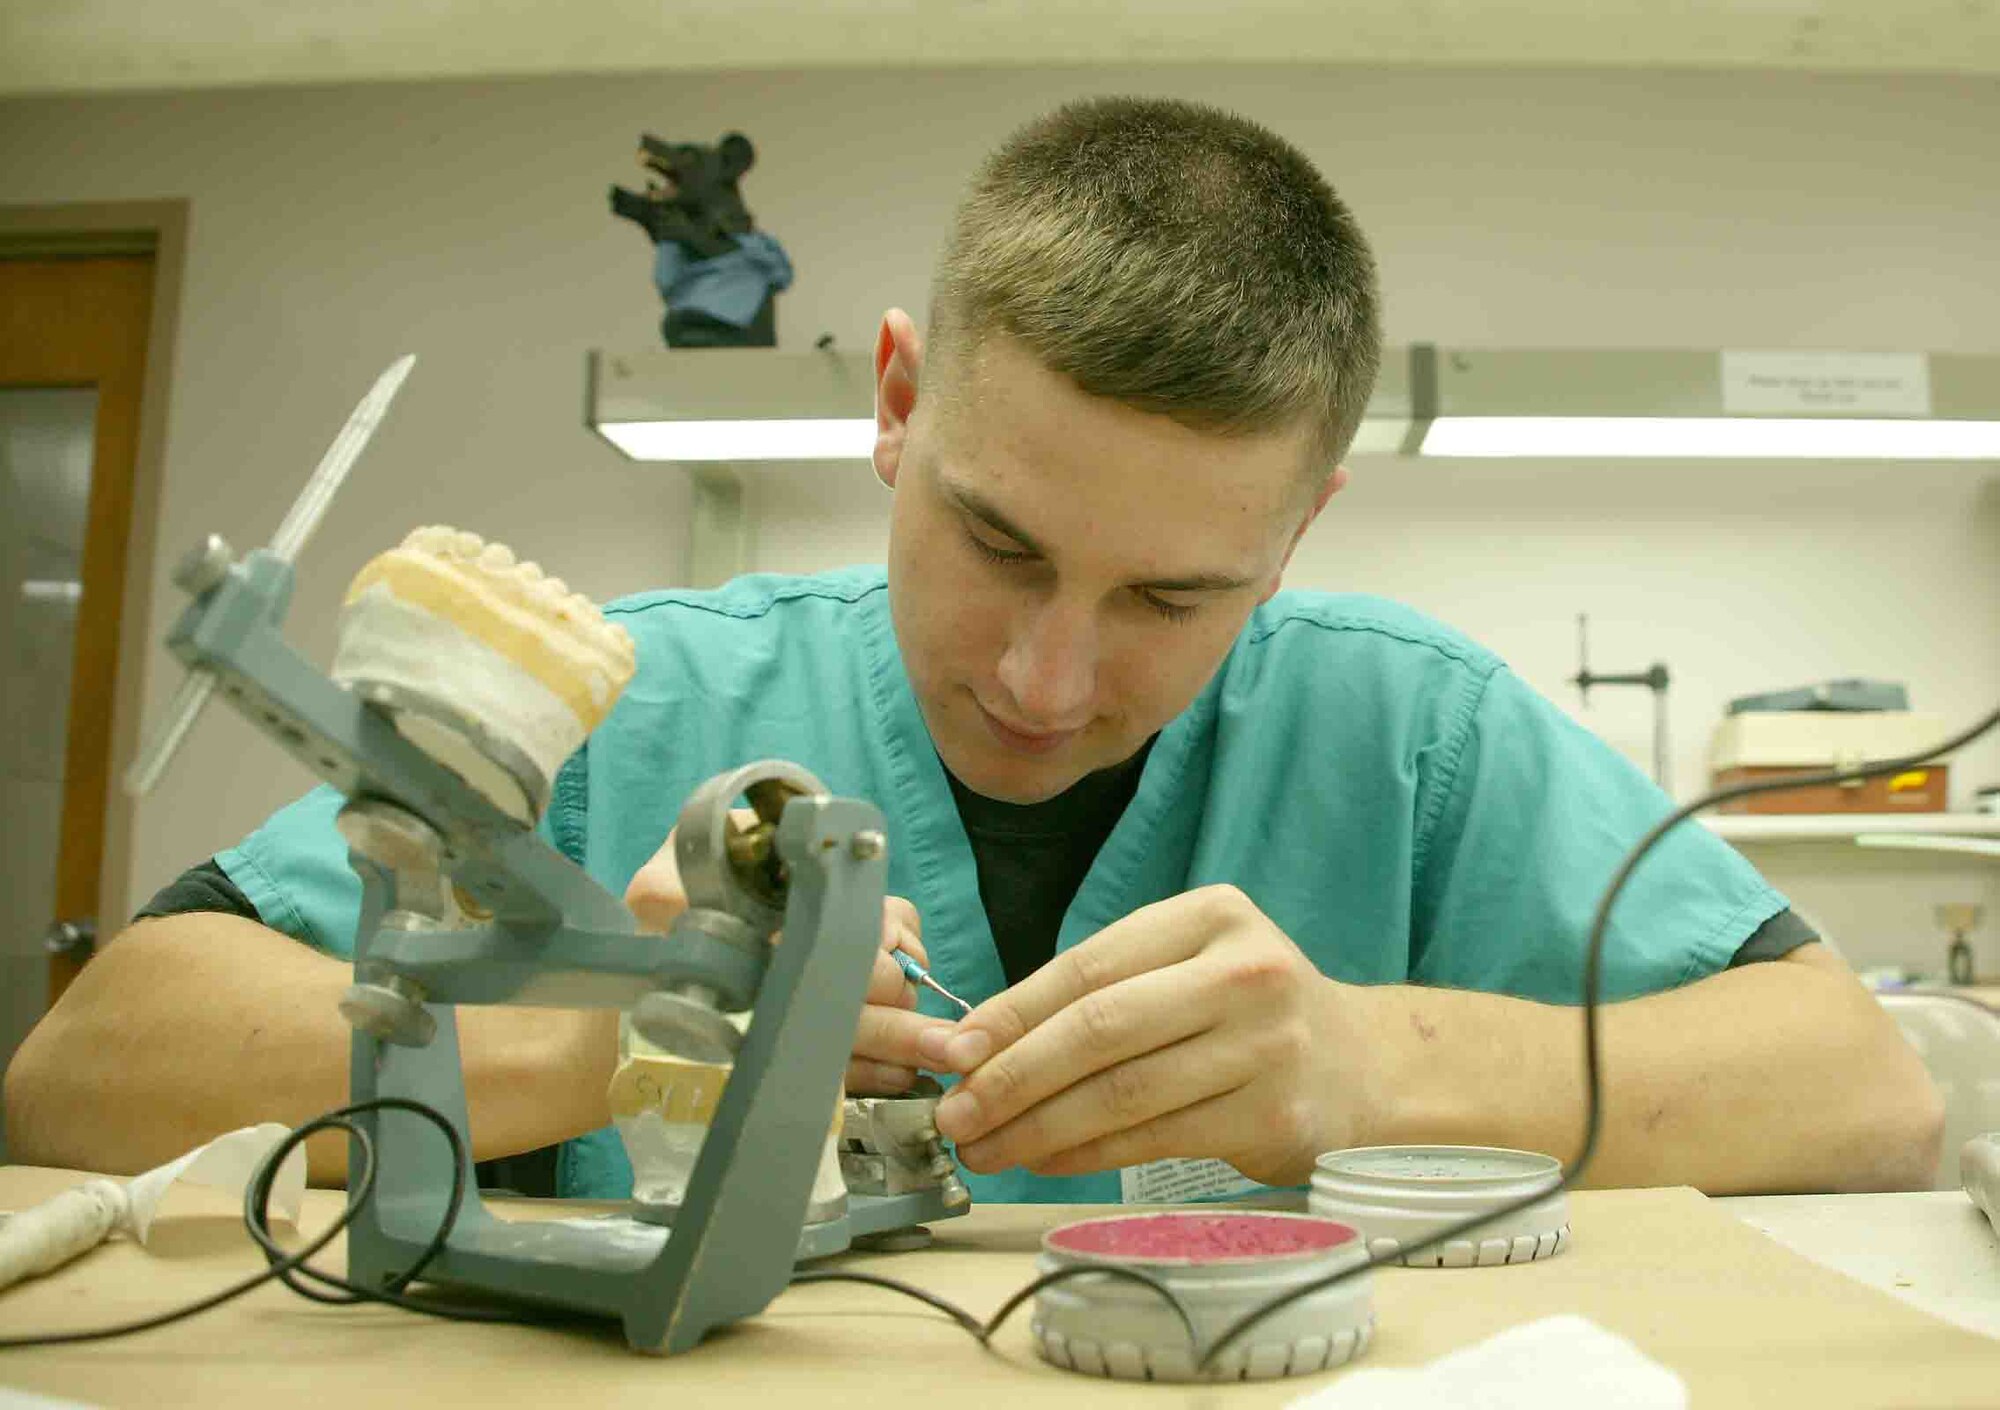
(521, 580)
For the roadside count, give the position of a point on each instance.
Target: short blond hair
(1172, 257)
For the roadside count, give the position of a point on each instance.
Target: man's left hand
(1193, 1027)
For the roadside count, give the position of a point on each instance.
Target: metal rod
(181, 714)
(1655, 678)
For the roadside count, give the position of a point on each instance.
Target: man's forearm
(188, 1026)
(1774, 1077)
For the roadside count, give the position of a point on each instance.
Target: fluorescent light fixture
(1698, 437)
(711, 406)
(720, 405)
(712, 441)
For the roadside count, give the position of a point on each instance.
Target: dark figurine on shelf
(718, 273)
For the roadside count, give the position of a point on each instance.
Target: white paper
(1178, 1181)
(1557, 1363)
(225, 1163)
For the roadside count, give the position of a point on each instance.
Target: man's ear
(1335, 483)
(899, 360)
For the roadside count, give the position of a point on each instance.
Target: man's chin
(1010, 780)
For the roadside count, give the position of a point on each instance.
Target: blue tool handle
(917, 975)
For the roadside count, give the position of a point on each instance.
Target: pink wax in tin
(1193, 1237)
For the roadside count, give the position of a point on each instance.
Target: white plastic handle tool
(292, 536)
(55, 1231)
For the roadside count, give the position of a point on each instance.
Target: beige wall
(332, 229)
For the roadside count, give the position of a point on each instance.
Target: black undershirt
(1032, 857)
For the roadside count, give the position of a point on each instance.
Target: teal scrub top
(1400, 803)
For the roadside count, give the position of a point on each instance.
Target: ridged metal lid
(1220, 1265)
(1398, 1196)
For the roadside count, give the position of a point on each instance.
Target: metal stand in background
(1654, 678)
(1961, 919)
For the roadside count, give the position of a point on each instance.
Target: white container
(1820, 739)
(1398, 1196)
(1221, 1265)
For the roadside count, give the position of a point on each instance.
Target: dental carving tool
(920, 976)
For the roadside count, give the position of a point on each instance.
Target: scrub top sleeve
(294, 870)
(1537, 815)
(562, 823)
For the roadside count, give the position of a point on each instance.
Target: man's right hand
(886, 1055)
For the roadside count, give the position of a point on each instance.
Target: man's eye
(1176, 612)
(996, 555)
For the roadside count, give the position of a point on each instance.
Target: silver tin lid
(1397, 1196)
(1221, 1265)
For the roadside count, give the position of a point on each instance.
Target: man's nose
(1050, 666)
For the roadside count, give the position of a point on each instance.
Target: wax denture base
(1197, 1238)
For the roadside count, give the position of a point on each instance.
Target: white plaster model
(457, 623)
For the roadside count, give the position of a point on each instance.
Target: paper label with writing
(1182, 1182)
(1825, 384)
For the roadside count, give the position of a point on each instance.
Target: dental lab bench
(1744, 1319)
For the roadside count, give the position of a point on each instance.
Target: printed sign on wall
(1825, 384)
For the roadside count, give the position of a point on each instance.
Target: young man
(1233, 877)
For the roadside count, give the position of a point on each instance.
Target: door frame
(81, 230)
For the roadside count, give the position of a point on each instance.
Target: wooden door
(79, 324)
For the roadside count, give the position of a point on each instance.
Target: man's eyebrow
(979, 507)
(972, 502)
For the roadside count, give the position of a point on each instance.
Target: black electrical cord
(876, 1280)
(1592, 966)
(983, 1332)
(287, 1268)
(257, 1219)
(284, 1267)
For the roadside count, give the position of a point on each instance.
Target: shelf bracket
(721, 529)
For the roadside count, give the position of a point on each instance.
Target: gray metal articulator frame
(549, 935)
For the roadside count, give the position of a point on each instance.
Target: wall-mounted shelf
(1845, 827)
(1478, 428)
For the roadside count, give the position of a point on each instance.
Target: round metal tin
(1397, 1196)
(1221, 1266)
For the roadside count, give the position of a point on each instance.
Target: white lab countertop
(1931, 1248)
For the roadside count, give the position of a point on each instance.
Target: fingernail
(967, 1050)
(957, 1114)
(934, 1041)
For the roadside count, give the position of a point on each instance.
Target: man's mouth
(1024, 741)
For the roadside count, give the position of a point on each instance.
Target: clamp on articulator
(462, 903)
